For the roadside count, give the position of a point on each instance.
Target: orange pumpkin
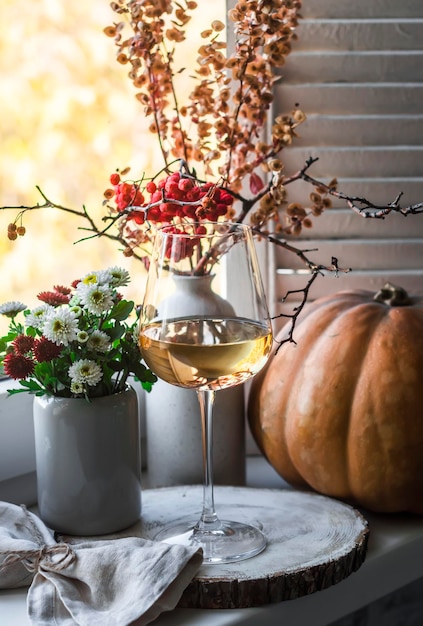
(341, 410)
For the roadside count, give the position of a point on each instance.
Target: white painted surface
(363, 8)
(17, 452)
(357, 34)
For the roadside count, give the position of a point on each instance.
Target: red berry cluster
(174, 198)
(126, 194)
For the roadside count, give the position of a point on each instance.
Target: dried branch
(360, 205)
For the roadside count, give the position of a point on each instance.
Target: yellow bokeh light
(69, 118)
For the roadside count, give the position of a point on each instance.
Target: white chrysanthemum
(77, 310)
(104, 277)
(60, 326)
(89, 279)
(97, 299)
(135, 335)
(99, 341)
(37, 316)
(82, 336)
(86, 372)
(12, 308)
(119, 277)
(80, 293)
(77, 388)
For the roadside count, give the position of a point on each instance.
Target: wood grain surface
(313, 542)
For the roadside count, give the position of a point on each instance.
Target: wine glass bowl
(220, 338)
(202, 353)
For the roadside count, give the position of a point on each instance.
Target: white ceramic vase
(88, 463)
(173, 424)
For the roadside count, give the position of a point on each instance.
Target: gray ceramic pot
(88, 463)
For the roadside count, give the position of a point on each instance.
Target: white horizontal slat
(358, 254)
(353, 67)
(356, 130)
(328, 285)
(351, 98)
(411, 280)
(364, 34)
(378, 190)
(362, 8)
(341, 223)
(352, 161)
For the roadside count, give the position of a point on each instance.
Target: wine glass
(207, 343)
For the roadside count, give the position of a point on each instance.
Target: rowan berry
(154, 214)
(185, 184)
(171, 187)
(138, 217)
(189, 210)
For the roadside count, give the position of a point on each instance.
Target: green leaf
(11, 335)
(147, 386)
(143, 374)
(115, 332)
(3, 344)
(115, 366)
(122, 310)
(30, 386)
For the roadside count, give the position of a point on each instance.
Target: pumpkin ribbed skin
(341, 411)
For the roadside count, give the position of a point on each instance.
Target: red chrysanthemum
(22, 344)
(46, 350)
(53, 298)
(17, 366)
(60, 289)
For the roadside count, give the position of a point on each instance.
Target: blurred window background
(69, 118)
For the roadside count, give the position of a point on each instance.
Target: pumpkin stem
(392, 295)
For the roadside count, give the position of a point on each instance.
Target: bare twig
(360, 205)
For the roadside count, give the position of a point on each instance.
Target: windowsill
(394, 559)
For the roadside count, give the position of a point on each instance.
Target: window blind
(357, 72)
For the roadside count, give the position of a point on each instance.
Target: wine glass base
(228, 543)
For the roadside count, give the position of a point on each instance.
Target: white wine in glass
(207, 346)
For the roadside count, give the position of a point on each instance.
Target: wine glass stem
(208, 519)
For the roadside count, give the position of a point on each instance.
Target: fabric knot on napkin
(109, 582)
(42, 559)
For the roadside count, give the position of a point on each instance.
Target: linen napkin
(112, 582)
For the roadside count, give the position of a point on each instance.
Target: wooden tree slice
(313, 542)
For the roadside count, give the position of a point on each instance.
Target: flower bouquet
(78, 343)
